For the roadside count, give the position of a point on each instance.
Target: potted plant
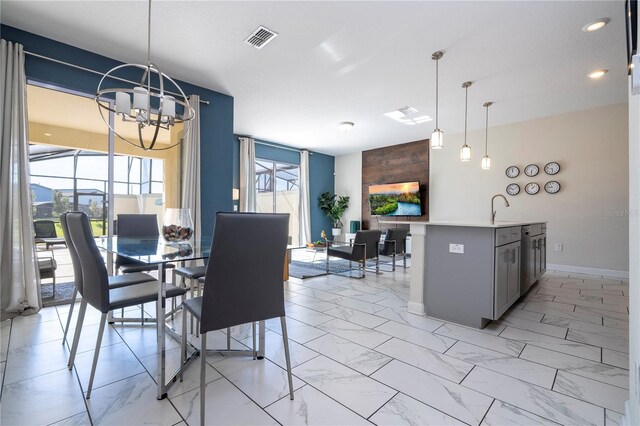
(334, 207)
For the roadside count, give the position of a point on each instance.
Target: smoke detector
(260, 37)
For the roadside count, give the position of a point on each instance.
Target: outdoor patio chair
(45, 233)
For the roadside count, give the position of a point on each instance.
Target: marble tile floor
(559, 356)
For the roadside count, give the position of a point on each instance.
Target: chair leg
(285, 339)
(103, 321)
(228, 338)
(73, 302)
(183, 341)
(377, 264)
(364, 265)
(393, 261)
(76, 334)
(404, 260)
(203, 372)
(173, 299)
(193, 289)
(253, 332)
(198, 322)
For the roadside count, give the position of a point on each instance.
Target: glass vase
(177, 225)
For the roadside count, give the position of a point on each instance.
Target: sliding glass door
(278, 191)
(76, 163)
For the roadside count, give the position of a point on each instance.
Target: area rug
(301, 269)
(64, 293)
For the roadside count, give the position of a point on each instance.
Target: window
(278, 191)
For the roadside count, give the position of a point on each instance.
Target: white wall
(348, 181)
(589, 216)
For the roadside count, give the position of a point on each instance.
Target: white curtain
(19, 279)
(247, 175)
(190, 193)
(305, 210)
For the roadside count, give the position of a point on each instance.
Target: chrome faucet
(493, 211)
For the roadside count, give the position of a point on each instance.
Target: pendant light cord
(149, 34)
(486, 132)
(437, 60)
(466, 97)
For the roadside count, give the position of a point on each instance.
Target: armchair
(395, 243)
(363, 247)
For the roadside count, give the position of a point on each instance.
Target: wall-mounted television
(395, 199)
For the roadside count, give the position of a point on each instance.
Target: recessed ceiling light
(597, 74)
(407, 115)
(595, 25)
(47, 134)
(345, 126)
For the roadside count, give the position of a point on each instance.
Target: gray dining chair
(95, 286)
(137, 226)
(363, 247)
(395, 244)
(114, 281)
(243, 282)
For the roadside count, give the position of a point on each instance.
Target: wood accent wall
(397, 163)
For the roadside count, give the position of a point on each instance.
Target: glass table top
(156, 250)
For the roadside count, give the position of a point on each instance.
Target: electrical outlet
(456, 248)
(558, 247)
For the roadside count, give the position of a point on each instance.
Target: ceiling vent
(260, 37)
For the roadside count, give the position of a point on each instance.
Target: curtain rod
(273, 145)
(96, 72)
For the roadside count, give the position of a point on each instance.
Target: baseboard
(415, 308)
(614, 273)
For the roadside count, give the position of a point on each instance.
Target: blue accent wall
(216, 119)
(321, 177)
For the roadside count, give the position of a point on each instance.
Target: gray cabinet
(472, 273)
(534, 255)
(506, 277)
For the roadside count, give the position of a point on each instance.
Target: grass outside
(96, 228)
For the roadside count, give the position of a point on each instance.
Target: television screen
(395, 199)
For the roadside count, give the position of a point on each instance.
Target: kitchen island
(471, 273)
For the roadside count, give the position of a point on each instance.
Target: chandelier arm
(140, 138)
(155, 135)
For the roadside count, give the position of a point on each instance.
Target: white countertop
(498, 224)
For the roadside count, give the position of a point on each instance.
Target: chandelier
(152, 107)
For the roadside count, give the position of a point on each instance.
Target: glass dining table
(155, 251)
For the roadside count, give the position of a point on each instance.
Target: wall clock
(531, 170)
(513, 189)
(532, 188)
(512, 171)
(552, 168)
(552, 187)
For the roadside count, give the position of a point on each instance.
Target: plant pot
(336, 231)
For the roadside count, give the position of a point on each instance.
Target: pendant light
(437, 136)
(145, 98)
(486, 160)
(465, 151)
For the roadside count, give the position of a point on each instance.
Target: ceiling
(339, 61)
